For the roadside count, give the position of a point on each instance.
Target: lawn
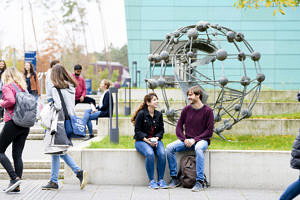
(235, 142)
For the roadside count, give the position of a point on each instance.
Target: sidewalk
(31, 190)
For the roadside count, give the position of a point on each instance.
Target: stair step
(33, 174)
(37, 164)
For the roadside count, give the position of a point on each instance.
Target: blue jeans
(179, 146)
(56, 165)
(149, 152)
(88, 117)
(291, 191)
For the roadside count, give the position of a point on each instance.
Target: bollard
(113, 132)
(127, 110)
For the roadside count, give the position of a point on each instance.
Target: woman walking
(62, 80)
(149, 130)
(12, 133)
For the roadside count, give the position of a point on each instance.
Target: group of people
(194, 130)
(71, 87)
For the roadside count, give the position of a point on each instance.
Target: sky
(11, 25)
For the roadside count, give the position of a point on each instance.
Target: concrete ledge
(246, 126)
(224, 168)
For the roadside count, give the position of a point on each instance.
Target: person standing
(102, 110)
(148, 132)
(80, 95)
(12, 133)
(48, 82)
(2, 69)
(62, 80)
(33, 86)
(194, 130)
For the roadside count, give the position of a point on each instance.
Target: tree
(278, 4)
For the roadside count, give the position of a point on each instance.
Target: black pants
(12, 133)
(86, 100)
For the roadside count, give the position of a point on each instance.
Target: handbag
(74, 126)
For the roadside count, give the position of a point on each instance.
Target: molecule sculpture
(217, 59)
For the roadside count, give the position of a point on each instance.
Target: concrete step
(246, 126)
(33, 174)
(38, 164)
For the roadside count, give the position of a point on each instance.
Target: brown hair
(31, 70)
(147, 98)
(4, 68)
(106, 83)
(61, 78)
(196, 90)
(53, 62)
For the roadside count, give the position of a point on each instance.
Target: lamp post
(134, 67)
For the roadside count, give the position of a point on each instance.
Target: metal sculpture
(200, 55)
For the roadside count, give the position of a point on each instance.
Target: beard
(77, 75)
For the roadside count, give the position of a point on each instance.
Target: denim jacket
(144, 123)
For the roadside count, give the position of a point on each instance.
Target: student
(80, 96)
(48, 82)
(12, 133)
(33, 86)
(194, 130)
(102, 110)
(62, 80)
(148, 132)
(2, 69)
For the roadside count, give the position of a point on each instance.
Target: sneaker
(89, 137)
(198, 186)
(16, 190)
(162, 184)
(12, 185)
(81, 175)
(153, 185)
(174, 183)
(50, 186)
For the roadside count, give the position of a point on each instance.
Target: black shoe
(81, 175)
(16, 190)
(50, 186)
(89, 137)
(174, 183)
(198, 186)
(12, 185)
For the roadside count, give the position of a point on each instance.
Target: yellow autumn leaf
(249, 6)
(282, 12)
(274, 13)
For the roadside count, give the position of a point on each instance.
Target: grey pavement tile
(145, 193)
(73, 192)
(180, 193)
(113, 192)
(252, 194)
(213, 193)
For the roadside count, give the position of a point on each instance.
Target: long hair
(61, 78)
(12, 75)
(195, 90)
(53, 62)
(4, 68)
(147, 98)
(31, 70)
(106, 83)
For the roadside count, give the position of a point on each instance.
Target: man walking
(194, 130)
(80, 93)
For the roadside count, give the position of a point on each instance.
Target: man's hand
(81, 99)
(189, 142)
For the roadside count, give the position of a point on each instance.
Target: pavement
(31, 190)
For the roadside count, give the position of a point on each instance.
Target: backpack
(187, 172)
(25, 109)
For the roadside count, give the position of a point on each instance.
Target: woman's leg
(88, 116)
(291, 191)
(55, 165)
(147, 151)
(161, 160)
(70, 162)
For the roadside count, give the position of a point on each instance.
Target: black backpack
(187, 172)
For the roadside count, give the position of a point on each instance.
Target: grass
(278, 116)
(235, 142)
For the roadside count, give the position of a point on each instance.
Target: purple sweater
(199, 124)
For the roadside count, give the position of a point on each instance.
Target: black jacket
(298, 96)
(105, 106)
(144, 123)
(295, 161)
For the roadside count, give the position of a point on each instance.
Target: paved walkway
(31, 190)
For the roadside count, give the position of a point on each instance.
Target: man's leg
(200, 148)
(171, 150)
(89, 100)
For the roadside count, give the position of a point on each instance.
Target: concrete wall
(233, 169)
(246, 126)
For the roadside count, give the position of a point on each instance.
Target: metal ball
(219, 27)
(219, 130)
(157, 58)
(260, 77)
(228, 126)
(152, 84)
(164, 55)
(230, 36)
(150, 57)
(161, 82)
(223, 81)
(241, 56)
(163, 110)
(213, 59)
(217, 118)
(168, 36)
(202, 26)
(176, 34)
(237, 107)
(190, 54)
(221, 54)
(246, 113)
(245, 80)
(255, 56)
(175, 40)
(239, 37)
(192, 33)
